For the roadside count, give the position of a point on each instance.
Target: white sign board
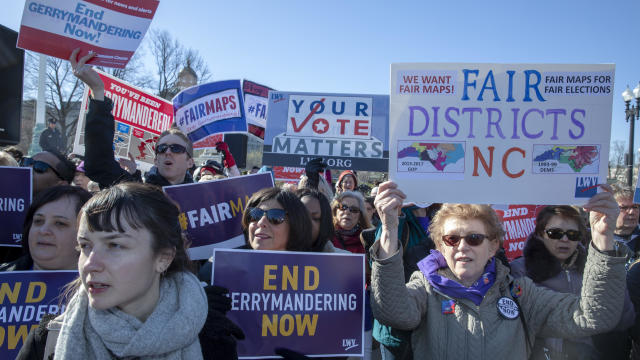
(500, 133)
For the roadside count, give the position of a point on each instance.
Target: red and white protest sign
(518, 222)
(288, 174)
(139, 119)
(112, 29)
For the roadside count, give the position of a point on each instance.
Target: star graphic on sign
(320, 126)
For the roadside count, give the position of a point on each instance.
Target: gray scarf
(170, 332)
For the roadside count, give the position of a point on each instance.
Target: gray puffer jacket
(545, 270)
(480, 332)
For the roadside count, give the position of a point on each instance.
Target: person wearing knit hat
(347, 181)
(80, 178)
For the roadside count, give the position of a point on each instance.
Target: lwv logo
(348, 344)
(586, 186)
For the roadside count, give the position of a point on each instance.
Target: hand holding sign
(86, 73)
(604, 212)
(388, 203)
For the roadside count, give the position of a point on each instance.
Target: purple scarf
(429, 267)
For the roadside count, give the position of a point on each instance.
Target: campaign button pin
(448, 306)
(508, 308)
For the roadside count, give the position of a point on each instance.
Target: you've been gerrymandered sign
(500, 133)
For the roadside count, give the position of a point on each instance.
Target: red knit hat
(345, 173)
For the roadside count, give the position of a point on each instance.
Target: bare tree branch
(170, 58)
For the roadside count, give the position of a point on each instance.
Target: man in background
(51, 138)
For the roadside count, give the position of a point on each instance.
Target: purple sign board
(15, 198)
(25, 297)
(211, 212)
(311, 303)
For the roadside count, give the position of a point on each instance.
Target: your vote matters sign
(349, 131)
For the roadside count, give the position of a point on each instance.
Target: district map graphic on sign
(429, 157)
(566, 159)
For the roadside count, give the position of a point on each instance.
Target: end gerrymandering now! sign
(139, 117)
(25, 297)
(500, 133)
(349, 131)
(211, 212)
(15, 198)
(205, 112)
(518, 222)
(112, 29)
(311, 303)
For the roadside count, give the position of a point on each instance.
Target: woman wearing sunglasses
(173, 151)
(554, 257)
(349, 219)
(275, 219)
(462, 303)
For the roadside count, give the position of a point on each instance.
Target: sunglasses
(352, 209)
(275, 216)
(471, 239)
(174, 148)
(38, 166)
(557, 234)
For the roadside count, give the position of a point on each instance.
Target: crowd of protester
(438, 284)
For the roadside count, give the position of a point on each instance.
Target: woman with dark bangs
(275, 219)
(134, 282)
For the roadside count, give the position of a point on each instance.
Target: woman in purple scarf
(463, 304)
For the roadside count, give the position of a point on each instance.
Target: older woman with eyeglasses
(349, 219)
(462, 303)
(554, 257)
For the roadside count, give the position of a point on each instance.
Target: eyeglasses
(471, 239)
(557, 234)
(174, 148)
(352, 209)
(633, 207)
(275, 216)
(38, 166)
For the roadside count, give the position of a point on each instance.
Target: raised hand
(388, 202)
(86, 73)
(128, 164)
(603, 214)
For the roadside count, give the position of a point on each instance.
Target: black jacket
(100, 164)
(52, 141)
(22, 263)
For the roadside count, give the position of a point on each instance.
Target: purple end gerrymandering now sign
(15, 198)
(25, 297)
(311, 303)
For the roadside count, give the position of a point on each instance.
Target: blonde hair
(622, 191)
(484, 213)
(6, 159)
